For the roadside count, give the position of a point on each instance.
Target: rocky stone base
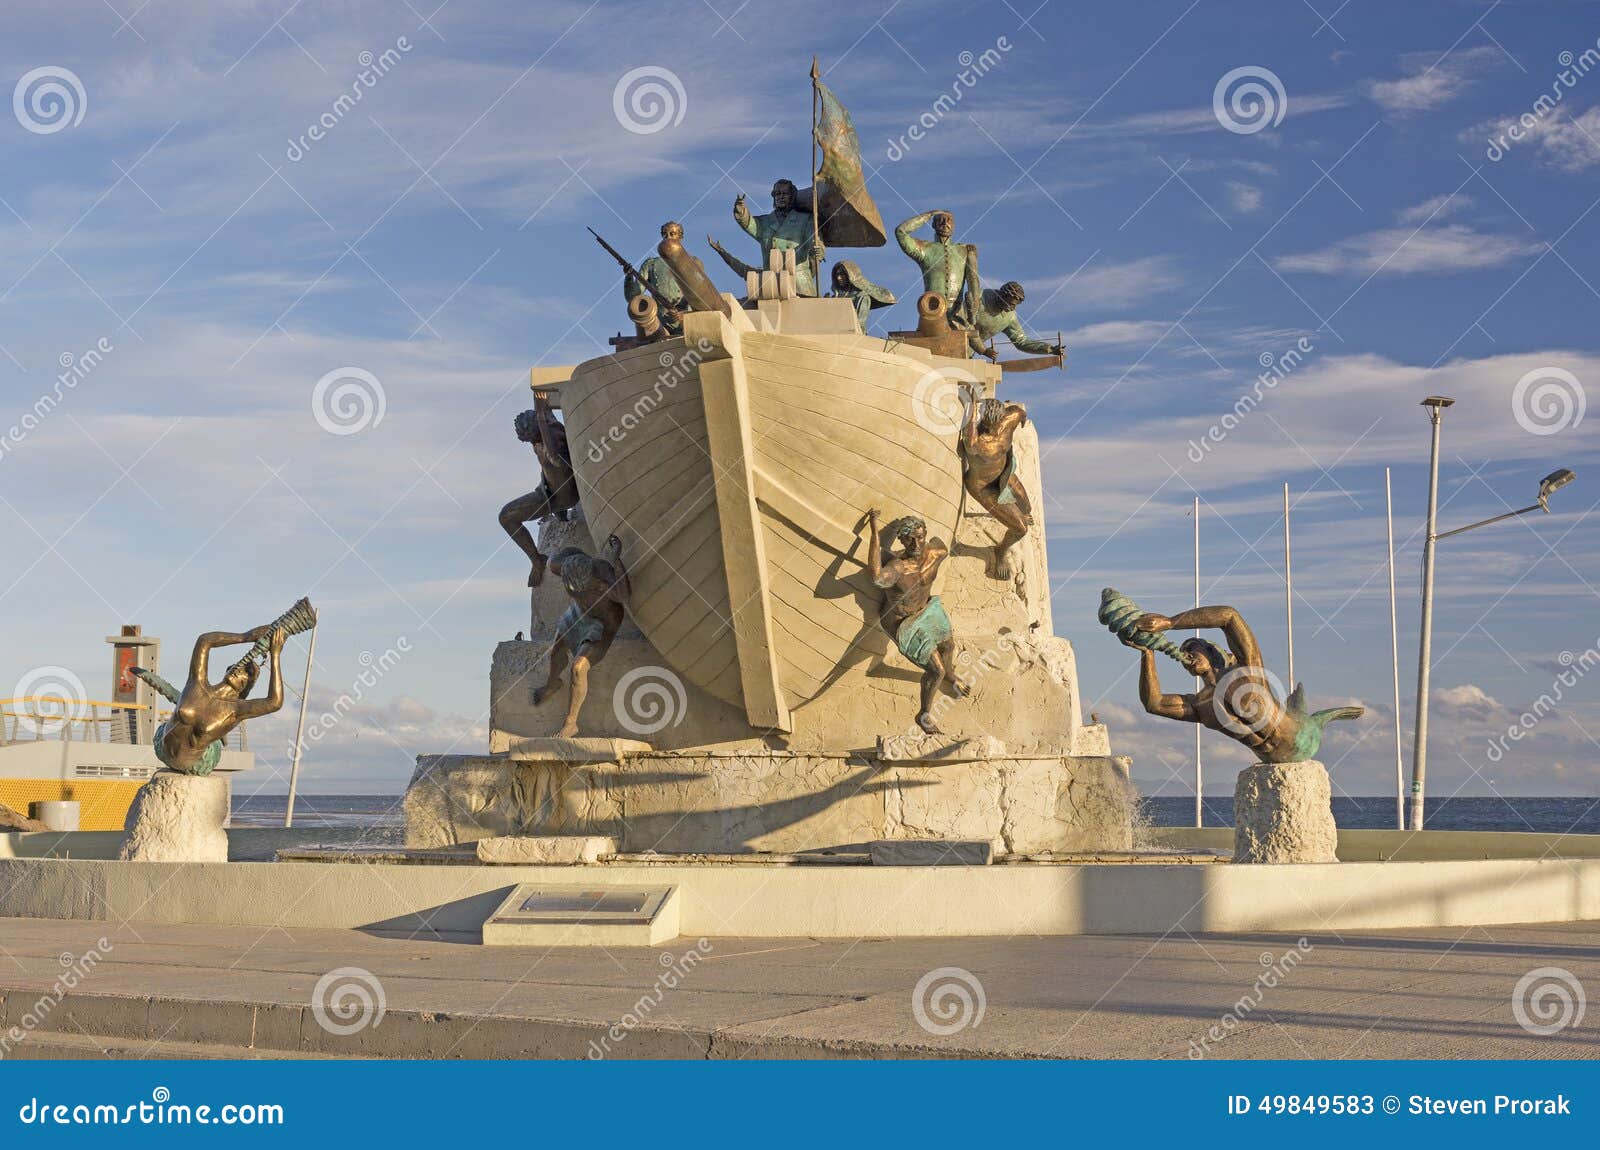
(177, 818)
(1283, 813)
(705, 803)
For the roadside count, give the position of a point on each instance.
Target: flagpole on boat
(816, 192)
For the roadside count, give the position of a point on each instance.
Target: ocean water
(1551, 815)
(1566, 815)
(315, 811)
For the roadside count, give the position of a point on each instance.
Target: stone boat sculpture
(751, 700)
(737, 464)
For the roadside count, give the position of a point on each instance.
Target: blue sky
(433, 237)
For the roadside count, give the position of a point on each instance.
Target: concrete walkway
(196, 991)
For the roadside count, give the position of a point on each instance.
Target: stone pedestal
(177, 818)
(1283, 813)
(706, 803)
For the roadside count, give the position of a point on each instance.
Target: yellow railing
(36, 718)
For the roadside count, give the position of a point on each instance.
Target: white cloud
(1406, 251)
(1182, 121)
(1571, 143)
(1111, 285)
(1434, 208)
(1467, 697)
(1117, 332)
(1245, 198)
(1432, 81)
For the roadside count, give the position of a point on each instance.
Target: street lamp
(1553, 482)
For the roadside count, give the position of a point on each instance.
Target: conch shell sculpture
(1119, 613)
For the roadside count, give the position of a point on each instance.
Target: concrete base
(545, 850)
(711, 803)
(1283, 813)
(1350, 995)
(1011, 899)
(929, 852)
(177, 818)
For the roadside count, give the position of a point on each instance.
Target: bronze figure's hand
(279, 638)
(1153, 623)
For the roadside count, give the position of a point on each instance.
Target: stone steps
(114, 1026)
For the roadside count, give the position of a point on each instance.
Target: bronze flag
(849, 218)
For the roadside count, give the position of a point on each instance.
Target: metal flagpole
(300, 730)
(1288, 583)
(1394, 651)
(816, 192)
(1198, 789)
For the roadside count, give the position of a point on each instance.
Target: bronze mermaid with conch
(204, 713)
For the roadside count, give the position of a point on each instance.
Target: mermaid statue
(1238, 696)
(190, 740)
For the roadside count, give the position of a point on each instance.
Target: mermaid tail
(1308, 735)
(163, 688)
(1119, 614)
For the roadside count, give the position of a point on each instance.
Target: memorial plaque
(538, 914)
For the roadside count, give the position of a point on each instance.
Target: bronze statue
(558, 491)
(657, 281)
(599, 589)
(996, 314)
(948, 268)
(850, 283)
(911, 613)
(669, 308)
(204, 713)
(784, 227)
(989, 470)
(1237, 697)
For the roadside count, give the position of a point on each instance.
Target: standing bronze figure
(948, 268)
(786, 226)
(599, 589)
(205, 713)
(911, 613)
(989, 462)
(558, 491)
(1237, 697)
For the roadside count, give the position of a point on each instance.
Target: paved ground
(165, 990)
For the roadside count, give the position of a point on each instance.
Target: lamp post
(1550, 483)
